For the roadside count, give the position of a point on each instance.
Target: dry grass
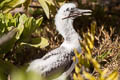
(107, 49)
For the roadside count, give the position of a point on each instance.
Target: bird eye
(67, 9)
(72, 10)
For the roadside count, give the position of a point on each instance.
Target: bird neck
(65, 28)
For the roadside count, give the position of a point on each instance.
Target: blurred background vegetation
(20, 42)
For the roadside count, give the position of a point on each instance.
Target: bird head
(70, 10)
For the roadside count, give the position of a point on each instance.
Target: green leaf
(113, 76)
(20, 28)
(75, 77)
(7, 37)
(38, 43)
(30, 25)
(77, 69)
(23, 18)
(39, 21)
(7, 5)
(45, 7)
(3, 3)
(7, 41)
(88, 76)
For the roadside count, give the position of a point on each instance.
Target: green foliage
(45, 7)
(87, 46)
(37, 43)
(7, 5)
(30, 25)
(23, 28)
(20, 74)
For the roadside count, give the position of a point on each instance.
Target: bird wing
(65, 74)
(53, 62)
(56, 60)
(57, 51)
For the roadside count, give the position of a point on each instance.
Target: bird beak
(81, 12)
(78, 12)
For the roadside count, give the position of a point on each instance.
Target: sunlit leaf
(42, 43)
(77, 69)
(30, 25)
(23, 18)
(20, 29)
(87, 49)
(80, 77)
(96, 65)
(113, 76)
(76, 53)
(91, 45)
(89, 76)
(45, 7)
(3, 2)
(75, 77)
(91, 37)
(39, 21)
(11, 4)
(74, 58)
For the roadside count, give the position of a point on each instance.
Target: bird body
(52, 62)
(60, 58)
